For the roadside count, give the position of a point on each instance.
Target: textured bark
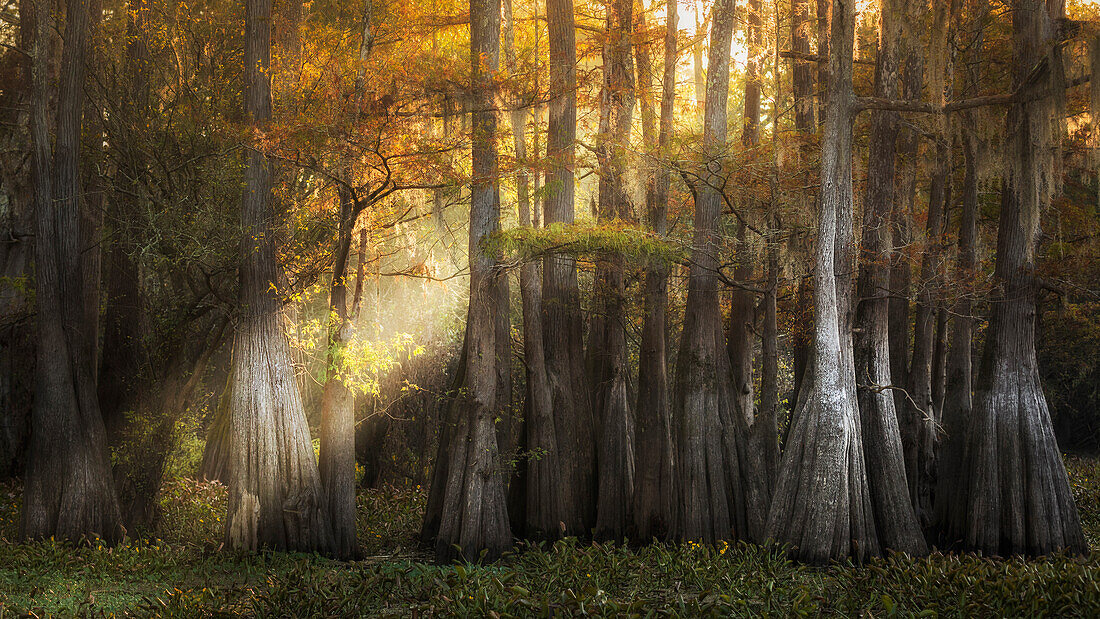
(474, 514)
(125, 328)
(908, 143)
(764, 436)
(750, 132)
(1013, 495)
(822, 506)
(959, 383)
(68, 492)
(613, 408)
(802, 76)
(562, 319)
(541, 469)
(653, 507)
(824, 13)
(709, 431)
(920, 414)
(895, 519)
(957, 398)
(275, 495)
(215, 455)
(337, 456)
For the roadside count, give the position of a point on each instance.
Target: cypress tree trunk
(68, 491)
(337, 457)
(822, 506)
(709, 430)
(275, 494)
(541, 467)
(895, 519)
(908, 148)
(959, 385)
(1013, 495)
(802, 76)
(920, 414)
(562, 320)
(474, 514)
(653, 505)
(337, 454)
(957, 399)
(824, 10)
(613, 408)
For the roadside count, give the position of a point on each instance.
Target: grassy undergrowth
(184, 572)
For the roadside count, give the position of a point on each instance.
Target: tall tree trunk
(895, 519)
(474, 523)
(711, 505)
(1013, 495)
(91, 207)
(615, 456)
(653, 506)
(824, 14)
(542, 469)
(959, 386)
(920, 414)
(957, 399)
(68, 492)
(337, 454)
(908, 149)
(802, 76)
(275, 495)
(562, 319)
(822, 506)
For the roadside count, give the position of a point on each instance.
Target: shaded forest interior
(818, 273)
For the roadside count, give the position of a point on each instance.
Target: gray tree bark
(822, 506)
(709, 430)
(68, 489)
(653, 507)
(474, 516)
(275, 495)
(615, 455)
(562, 319)
(895, 519)
(1013, 495)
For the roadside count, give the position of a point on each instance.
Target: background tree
(68, 492)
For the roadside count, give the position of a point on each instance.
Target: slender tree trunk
(124, 354)
(920, 414)
(92, 203)
(337, 457)
(802, 77)
(562, 319)
(615, 456)
(822, 506)
(474, 515)
(908, 148)
(957, 404)
(337, 454)
(275, 495)
(542, 468)
(895, 519)
(710, 431)
(68, 490)
(824, 14)
(1013, 495)
(653, 506)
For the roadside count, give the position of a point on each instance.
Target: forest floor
(184, 572)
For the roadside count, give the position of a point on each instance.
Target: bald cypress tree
(1013, 495)
(822, 505)
(68, 490)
